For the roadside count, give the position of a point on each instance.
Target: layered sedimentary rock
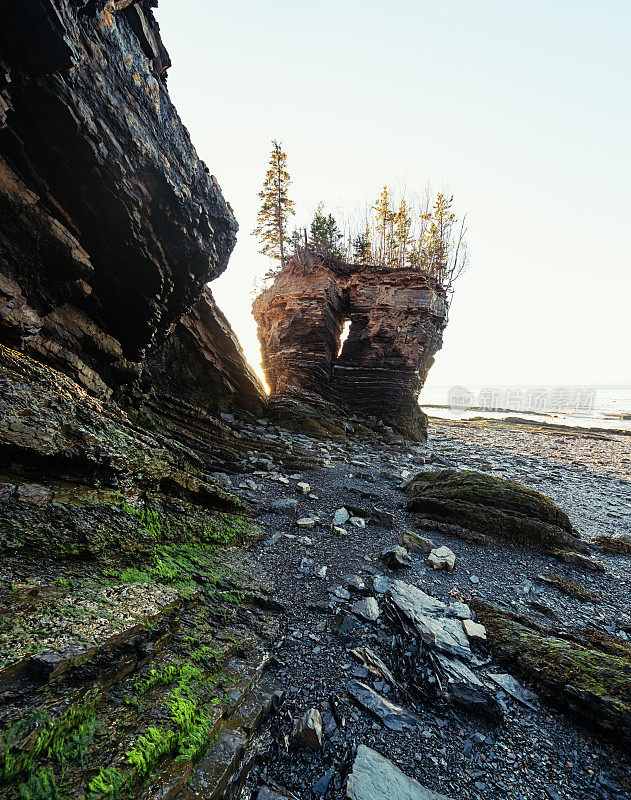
(202, 362)
(492, 506)
(396, 317)
(111, 224)
(587, 671)
(110, 227)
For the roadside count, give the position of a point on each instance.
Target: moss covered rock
(587, 672)
(494, 506)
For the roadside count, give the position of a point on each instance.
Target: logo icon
(460, 399)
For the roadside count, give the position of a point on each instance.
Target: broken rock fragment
(285, 506)
(340, 517)
(415, 541)
(442, 558)
(474, 630)
(307, 730)
(373, 777)
(396, 557)
(367, 609)
(390, 714)
(382, 517)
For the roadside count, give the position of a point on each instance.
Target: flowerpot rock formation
(396, 316)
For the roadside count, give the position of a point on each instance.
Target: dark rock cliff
(396, 317)
(120, 545)
(110, 228)
(111, 224)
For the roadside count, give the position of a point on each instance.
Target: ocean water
(607, 407)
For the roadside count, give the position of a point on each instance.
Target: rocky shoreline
(537, 751)
(208, 593)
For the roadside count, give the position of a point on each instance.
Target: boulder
(442, 558)
(587, 672)
(396, 557)
(492, 506)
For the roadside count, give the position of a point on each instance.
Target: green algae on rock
(587, 672)
(498, 507)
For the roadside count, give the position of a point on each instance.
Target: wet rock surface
(484, 729)
(373, 777)
(491, 506)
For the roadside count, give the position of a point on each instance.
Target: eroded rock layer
(396, 317)
(202, 362)
(111, 224)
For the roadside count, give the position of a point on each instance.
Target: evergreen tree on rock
(326, 237)
(276, 207)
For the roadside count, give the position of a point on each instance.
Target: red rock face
(397, 318)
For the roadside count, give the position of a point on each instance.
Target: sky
(521, 109)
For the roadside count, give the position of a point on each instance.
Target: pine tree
(362, 249)
(402, 227)
(326, 237)
(271, 223)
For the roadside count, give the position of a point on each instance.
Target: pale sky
(522, 109)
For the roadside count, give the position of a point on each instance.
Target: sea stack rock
(396, 316)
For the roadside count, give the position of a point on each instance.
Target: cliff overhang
(111, 224)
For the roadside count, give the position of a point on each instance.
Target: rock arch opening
(346, 329)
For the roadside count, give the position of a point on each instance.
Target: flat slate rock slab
(375, 778)
(391, 715)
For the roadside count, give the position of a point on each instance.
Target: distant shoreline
(556, 427)
(624, 417)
